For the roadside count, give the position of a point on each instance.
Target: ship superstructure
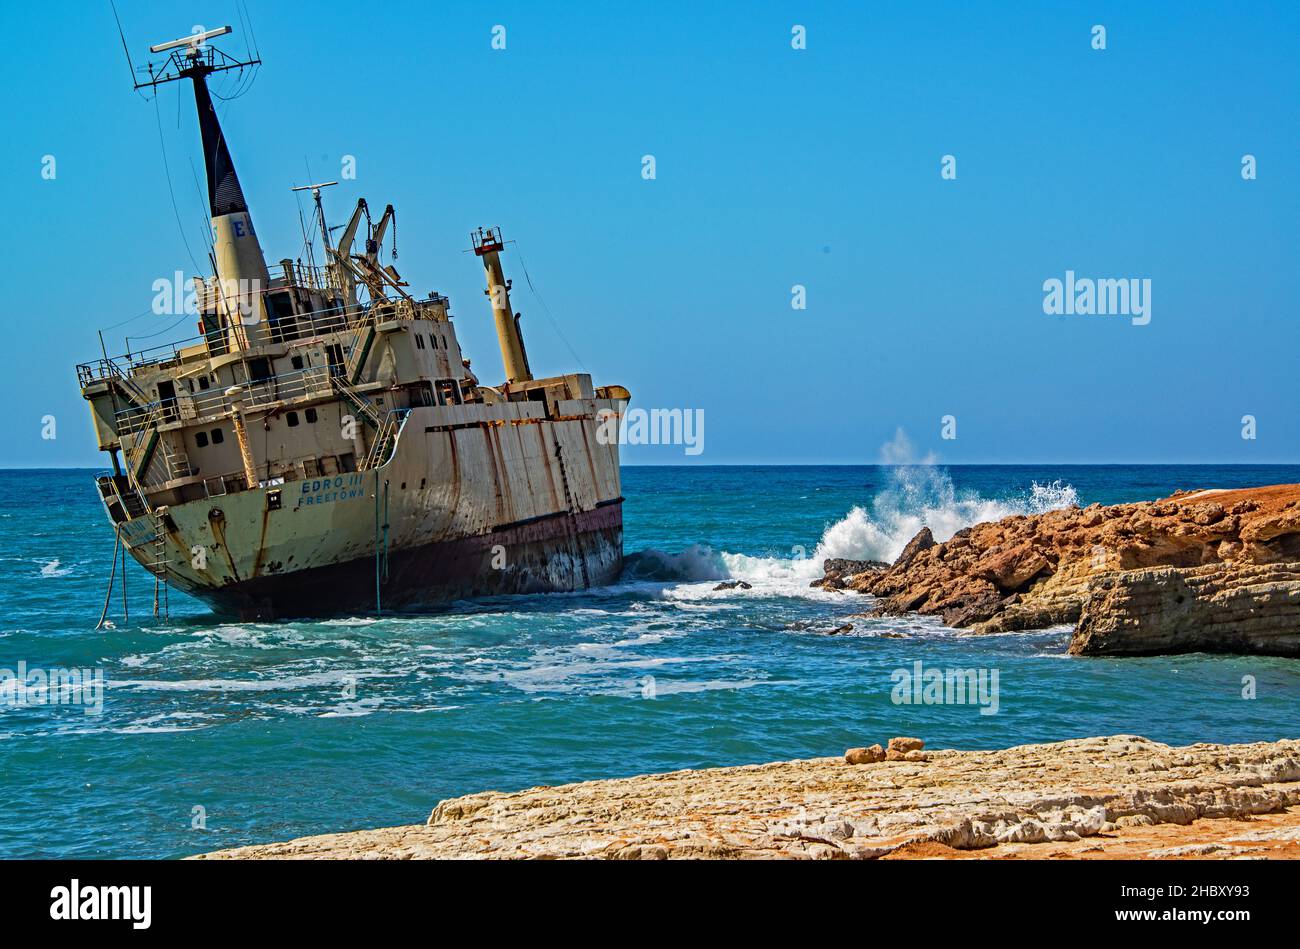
(322, 446)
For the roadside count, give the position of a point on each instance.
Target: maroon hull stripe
(546, 555)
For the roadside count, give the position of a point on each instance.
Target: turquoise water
(279, 730)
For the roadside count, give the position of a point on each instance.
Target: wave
(695, 563)
(924, 496)
(916, 496)
(55, 568)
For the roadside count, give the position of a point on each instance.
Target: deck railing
(311, 382)
(307, 325)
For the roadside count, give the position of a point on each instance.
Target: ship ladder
(357, 401)
(158, 566)
(361, 345)
(384, 439)
(143, 446)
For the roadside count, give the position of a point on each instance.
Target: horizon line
(859, 464)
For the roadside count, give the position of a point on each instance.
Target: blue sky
(775, 167)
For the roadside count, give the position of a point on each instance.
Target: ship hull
(551, 554)
(476, 500)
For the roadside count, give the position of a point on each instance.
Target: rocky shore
(1202, 571)
(1119, 796)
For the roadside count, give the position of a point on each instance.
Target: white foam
(916, 496)
(924, 496)
(54, 568)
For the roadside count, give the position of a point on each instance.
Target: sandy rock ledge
(1092, 797)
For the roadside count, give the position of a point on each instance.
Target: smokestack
(241, 269)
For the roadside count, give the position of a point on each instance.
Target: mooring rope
(111, 578)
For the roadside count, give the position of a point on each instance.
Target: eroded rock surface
(1033, 800)
(1206, 571)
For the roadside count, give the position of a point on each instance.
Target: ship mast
(242, 278)
(488, 245)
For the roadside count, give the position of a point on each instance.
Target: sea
(205, 732)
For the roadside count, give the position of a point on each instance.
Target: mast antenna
(320, 210)
(192, 56)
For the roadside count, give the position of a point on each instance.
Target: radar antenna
(320, 210)
(191, 56)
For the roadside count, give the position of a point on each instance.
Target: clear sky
(775, 167)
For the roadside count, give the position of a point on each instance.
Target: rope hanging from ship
(112, 577)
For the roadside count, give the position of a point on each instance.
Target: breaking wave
(917, 496)
(695, 563)
(924, 496)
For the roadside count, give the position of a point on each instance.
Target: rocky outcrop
(1208, 570)
(837, 573)
(1118, 796)
(1218, 608)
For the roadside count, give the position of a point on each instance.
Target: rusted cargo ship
(322, 446)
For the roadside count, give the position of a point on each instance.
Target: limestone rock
(848, 567)
(904, 745)
(1033, 800)
(1009, 570)
(1210, 570)
(1231, 608)
(868, 755)
(923, 540)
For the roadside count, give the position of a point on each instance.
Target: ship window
(297, 362)
(334, 353)
(203, 382)
(311, 416)
(218, 436)
(422, 394)
(259, 369)
(434, 340)
(201, 439)
(448, 392)
(292, 419)
(280, 306)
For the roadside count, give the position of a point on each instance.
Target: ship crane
(350, 267)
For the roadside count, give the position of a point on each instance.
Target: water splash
(916, 496)
(924, 496)
(695, 563)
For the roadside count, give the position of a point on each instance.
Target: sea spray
(916, 496)
(924, 496)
